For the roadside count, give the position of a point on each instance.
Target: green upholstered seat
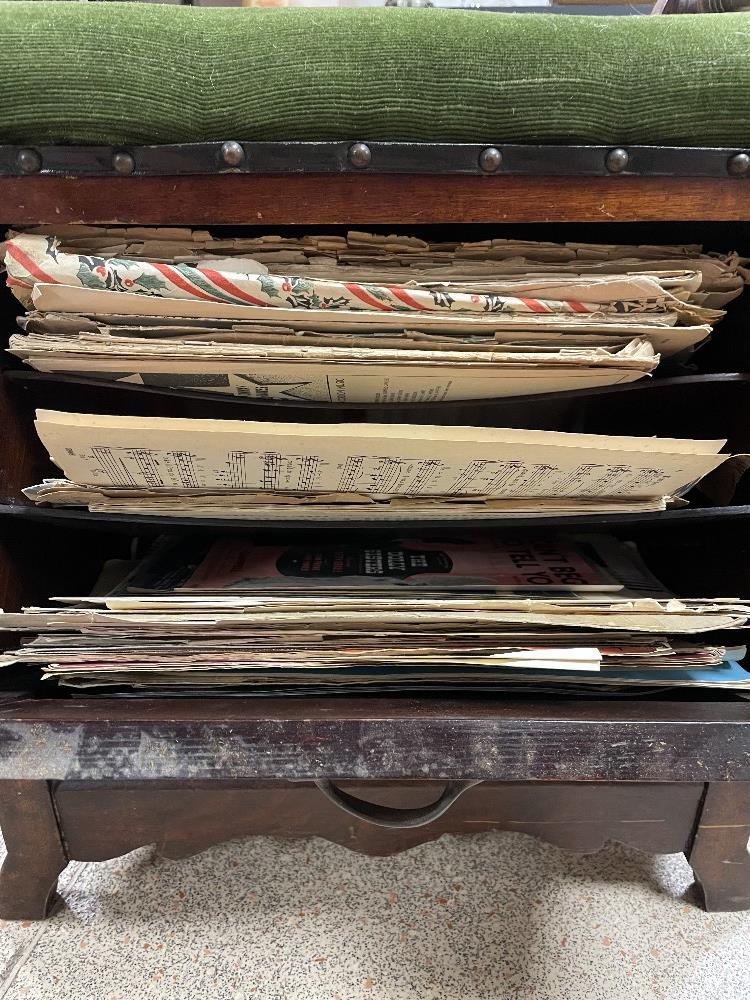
(149, 73)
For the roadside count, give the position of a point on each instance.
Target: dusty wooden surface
(490, 739)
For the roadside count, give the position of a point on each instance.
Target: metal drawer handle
(391, 816)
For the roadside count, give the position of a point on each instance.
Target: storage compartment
(700, 550)
(42, 560)
(686, 397)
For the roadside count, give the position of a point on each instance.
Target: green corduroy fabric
(147, 73)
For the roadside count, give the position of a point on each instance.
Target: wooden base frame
(48, 824)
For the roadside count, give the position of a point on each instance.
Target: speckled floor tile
(15, 938)
(18, 937)
(485, 918)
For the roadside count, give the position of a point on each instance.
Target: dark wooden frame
(363, 199)
(87, 779)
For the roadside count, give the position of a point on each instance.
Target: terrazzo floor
(472, 918)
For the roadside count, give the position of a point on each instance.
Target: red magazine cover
(468, 561)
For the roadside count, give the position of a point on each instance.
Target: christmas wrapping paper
(32, 260)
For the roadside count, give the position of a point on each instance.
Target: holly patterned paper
(32, 260)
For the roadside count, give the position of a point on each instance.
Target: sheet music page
(382, 460)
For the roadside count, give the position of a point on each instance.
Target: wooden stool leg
(719, 853)
(36, 856)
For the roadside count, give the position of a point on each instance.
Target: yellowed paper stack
(405, 614)
(433, 322)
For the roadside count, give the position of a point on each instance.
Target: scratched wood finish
(36, 854)
(101, 823)
(719, 853)
(492, 739)
(354, 199)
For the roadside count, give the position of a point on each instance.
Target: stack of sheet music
(360, 318)
(277, 471)
(410, 615)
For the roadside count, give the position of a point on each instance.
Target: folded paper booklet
(202, 616)
(93, 301)
(109, 333)
(362, 319)
(341, 374)
(182, 321)
(197, 465)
